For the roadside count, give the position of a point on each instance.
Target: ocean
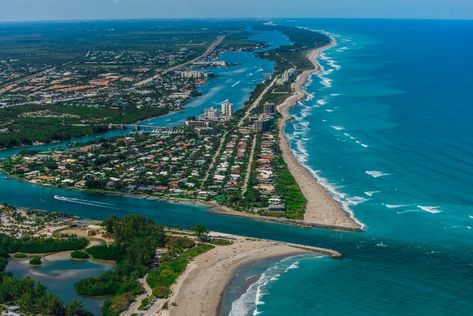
(388, 129)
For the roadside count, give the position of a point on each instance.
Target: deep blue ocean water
(389, 129)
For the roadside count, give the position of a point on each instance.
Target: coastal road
(250, 165)
(256, 102)
(209, 50)
(214, 158)
(133, 308)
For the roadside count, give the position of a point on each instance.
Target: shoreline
(199, 290)
(321, 208)
(212, 206)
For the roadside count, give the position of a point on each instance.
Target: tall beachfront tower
(226, 109)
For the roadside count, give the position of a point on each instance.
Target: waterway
(411, 185)
(59, 276)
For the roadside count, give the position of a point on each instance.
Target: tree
(75, 308)
(35, 260)
(201, 232)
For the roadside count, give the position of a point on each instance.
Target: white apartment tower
(226, 109)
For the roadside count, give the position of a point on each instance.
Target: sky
(21, 10)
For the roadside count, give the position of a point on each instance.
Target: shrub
(116, 304)
(35, 260)
(41, 245)
(221, 242)
(171, 267)
(161, 291)
(179, 243)
(106, 252)
(3, 263)
(78, 254)
(20, 255)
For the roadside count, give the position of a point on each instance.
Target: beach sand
(199, 289)
(321, 209)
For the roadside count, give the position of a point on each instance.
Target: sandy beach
(321, 209)
(199, 289)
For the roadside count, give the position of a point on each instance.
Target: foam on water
(376, 173)
(338, 128)
(371, 193)
(408, 211)
(235, 84)
(248, 302)
(356, 200)
(83, 202)
(342, 198)
(325, 81)
(396, 205)
(430, 209)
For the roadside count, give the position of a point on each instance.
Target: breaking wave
(376, 173)
(430, 209)
(248, 302)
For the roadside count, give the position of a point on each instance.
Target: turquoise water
(389, 131)
(59, 276)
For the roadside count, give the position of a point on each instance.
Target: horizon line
(229, 19)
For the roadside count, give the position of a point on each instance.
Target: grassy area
(287, 187)
(68, 122)
(221, 242)
(79, 255)
(170, 267)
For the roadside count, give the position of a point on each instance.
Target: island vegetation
(35, 261)
(40, 245)
(135, 242)
(79, 254)
(34, 299)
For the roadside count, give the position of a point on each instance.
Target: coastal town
(232, 158)
(222, 157)
(103, 88)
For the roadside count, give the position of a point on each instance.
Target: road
(249, 167)
(214, 158)
(256, 102)
(133, 308)
(209, 50)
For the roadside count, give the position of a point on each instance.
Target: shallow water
(59, 276)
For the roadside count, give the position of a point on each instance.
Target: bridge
(151, 129)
